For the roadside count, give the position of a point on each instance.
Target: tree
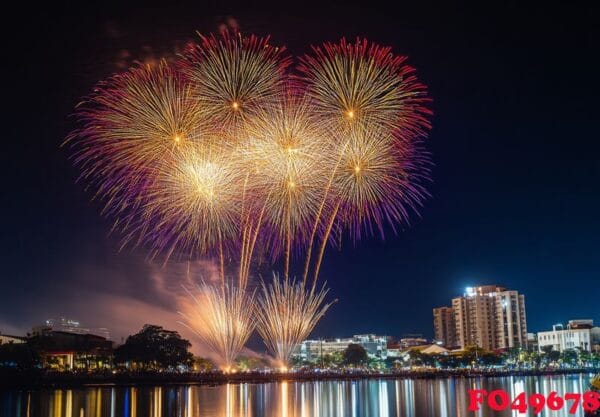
(535, 359)
(416, 357)
(569, 357)
(550, 354)
(250, 363)
(471, 355)
(355, 355)
(375, 362)
(490, 359)
(203, 365)
(154, 347)
(332, 360)
(585, 357)
(448, 361)
(595, 359)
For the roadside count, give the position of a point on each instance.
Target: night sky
(516, 183)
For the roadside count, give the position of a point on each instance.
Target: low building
(407, 341)
(427, 349)
(577, 334)
(430, 349)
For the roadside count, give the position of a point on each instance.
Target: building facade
(488, 316)
(577, 334)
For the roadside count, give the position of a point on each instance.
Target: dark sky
(516, 191)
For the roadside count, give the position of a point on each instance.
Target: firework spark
(287, 312)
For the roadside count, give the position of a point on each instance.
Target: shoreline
(43, 380)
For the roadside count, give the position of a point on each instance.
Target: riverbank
(12, 379)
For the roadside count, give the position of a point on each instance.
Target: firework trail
(221, 319)
(377, 107)
(288, 153)
(287, 312)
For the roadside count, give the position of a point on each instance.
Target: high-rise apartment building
(445, 326)
(511, 321)
(488, 316)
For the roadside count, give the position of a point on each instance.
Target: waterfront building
(407, 341)
(68, 351)
(577, 334)
(488, 316)
(427, 349)
(312, 350)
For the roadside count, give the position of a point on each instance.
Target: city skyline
(443, 330)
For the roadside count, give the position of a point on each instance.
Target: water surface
(377, 398)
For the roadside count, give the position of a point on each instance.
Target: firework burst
(131, 122)
(287, 312)
(234, 76)
(376, 182)
(362, 82)
(373, 183)
(192, 207)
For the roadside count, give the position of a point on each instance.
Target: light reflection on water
(381, 398)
